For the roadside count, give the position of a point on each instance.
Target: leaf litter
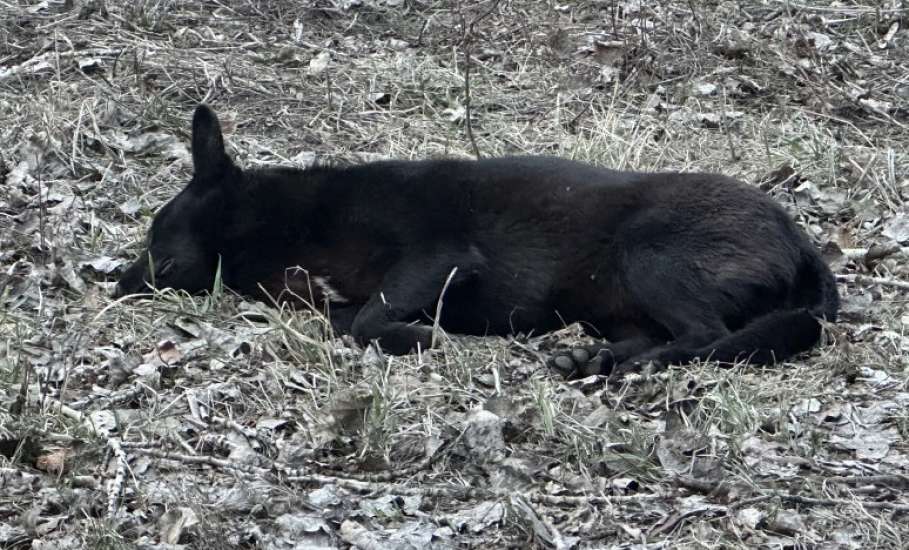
(216, 422)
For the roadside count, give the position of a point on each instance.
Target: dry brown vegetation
(214, 422)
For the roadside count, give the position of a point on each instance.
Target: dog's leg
(669, 291)
(409, 288)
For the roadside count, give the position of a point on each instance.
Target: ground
(217, 422)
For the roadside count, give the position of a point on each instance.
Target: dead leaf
(390, 506)
(705, 88)
(325, 496)
(608, 53)
(455, 113)
(103, 264)
(625, 484)
(784, 176)
(346, 415)
(829, 201)
(884, 42)
(787, 522)
(544, 533)
(897, 228)
(805, 407)
(168, 353)
(319, 63)
(130, 207)
(868, 444)
(65, 273)
(749, 518)
(477, 518)
(677, 451)
(876, 105)
(483, 437)
(297, 525)
(172, 523)
(33, 156)
(52, 462)
(49, 524)
(90, 64)
(820, 41)
(379, 98)
(147, 143)
(407, 536)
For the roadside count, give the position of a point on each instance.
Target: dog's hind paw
(579, 362)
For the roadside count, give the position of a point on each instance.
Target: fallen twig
(545, 532)
(467, 41)
(581, 500)
(115, 486)
(671, 521)
(280, 471)
(866, 280)
(870, 255)
(436, 321)
(796, 499)
(895, 479)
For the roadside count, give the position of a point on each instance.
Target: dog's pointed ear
(209, 158)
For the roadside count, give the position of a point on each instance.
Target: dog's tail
(781, 334)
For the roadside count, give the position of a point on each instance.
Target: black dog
(667, 267)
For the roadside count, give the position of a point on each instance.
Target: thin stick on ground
(866, 280)
(467, 44)
(875, 253)
(115, 488)
(810, 501)
(436, 321)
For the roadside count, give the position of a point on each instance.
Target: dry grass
(219, 423)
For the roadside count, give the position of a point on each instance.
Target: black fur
(667, 267)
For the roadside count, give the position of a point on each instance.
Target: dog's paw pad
(580, 355)
(576, 363)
